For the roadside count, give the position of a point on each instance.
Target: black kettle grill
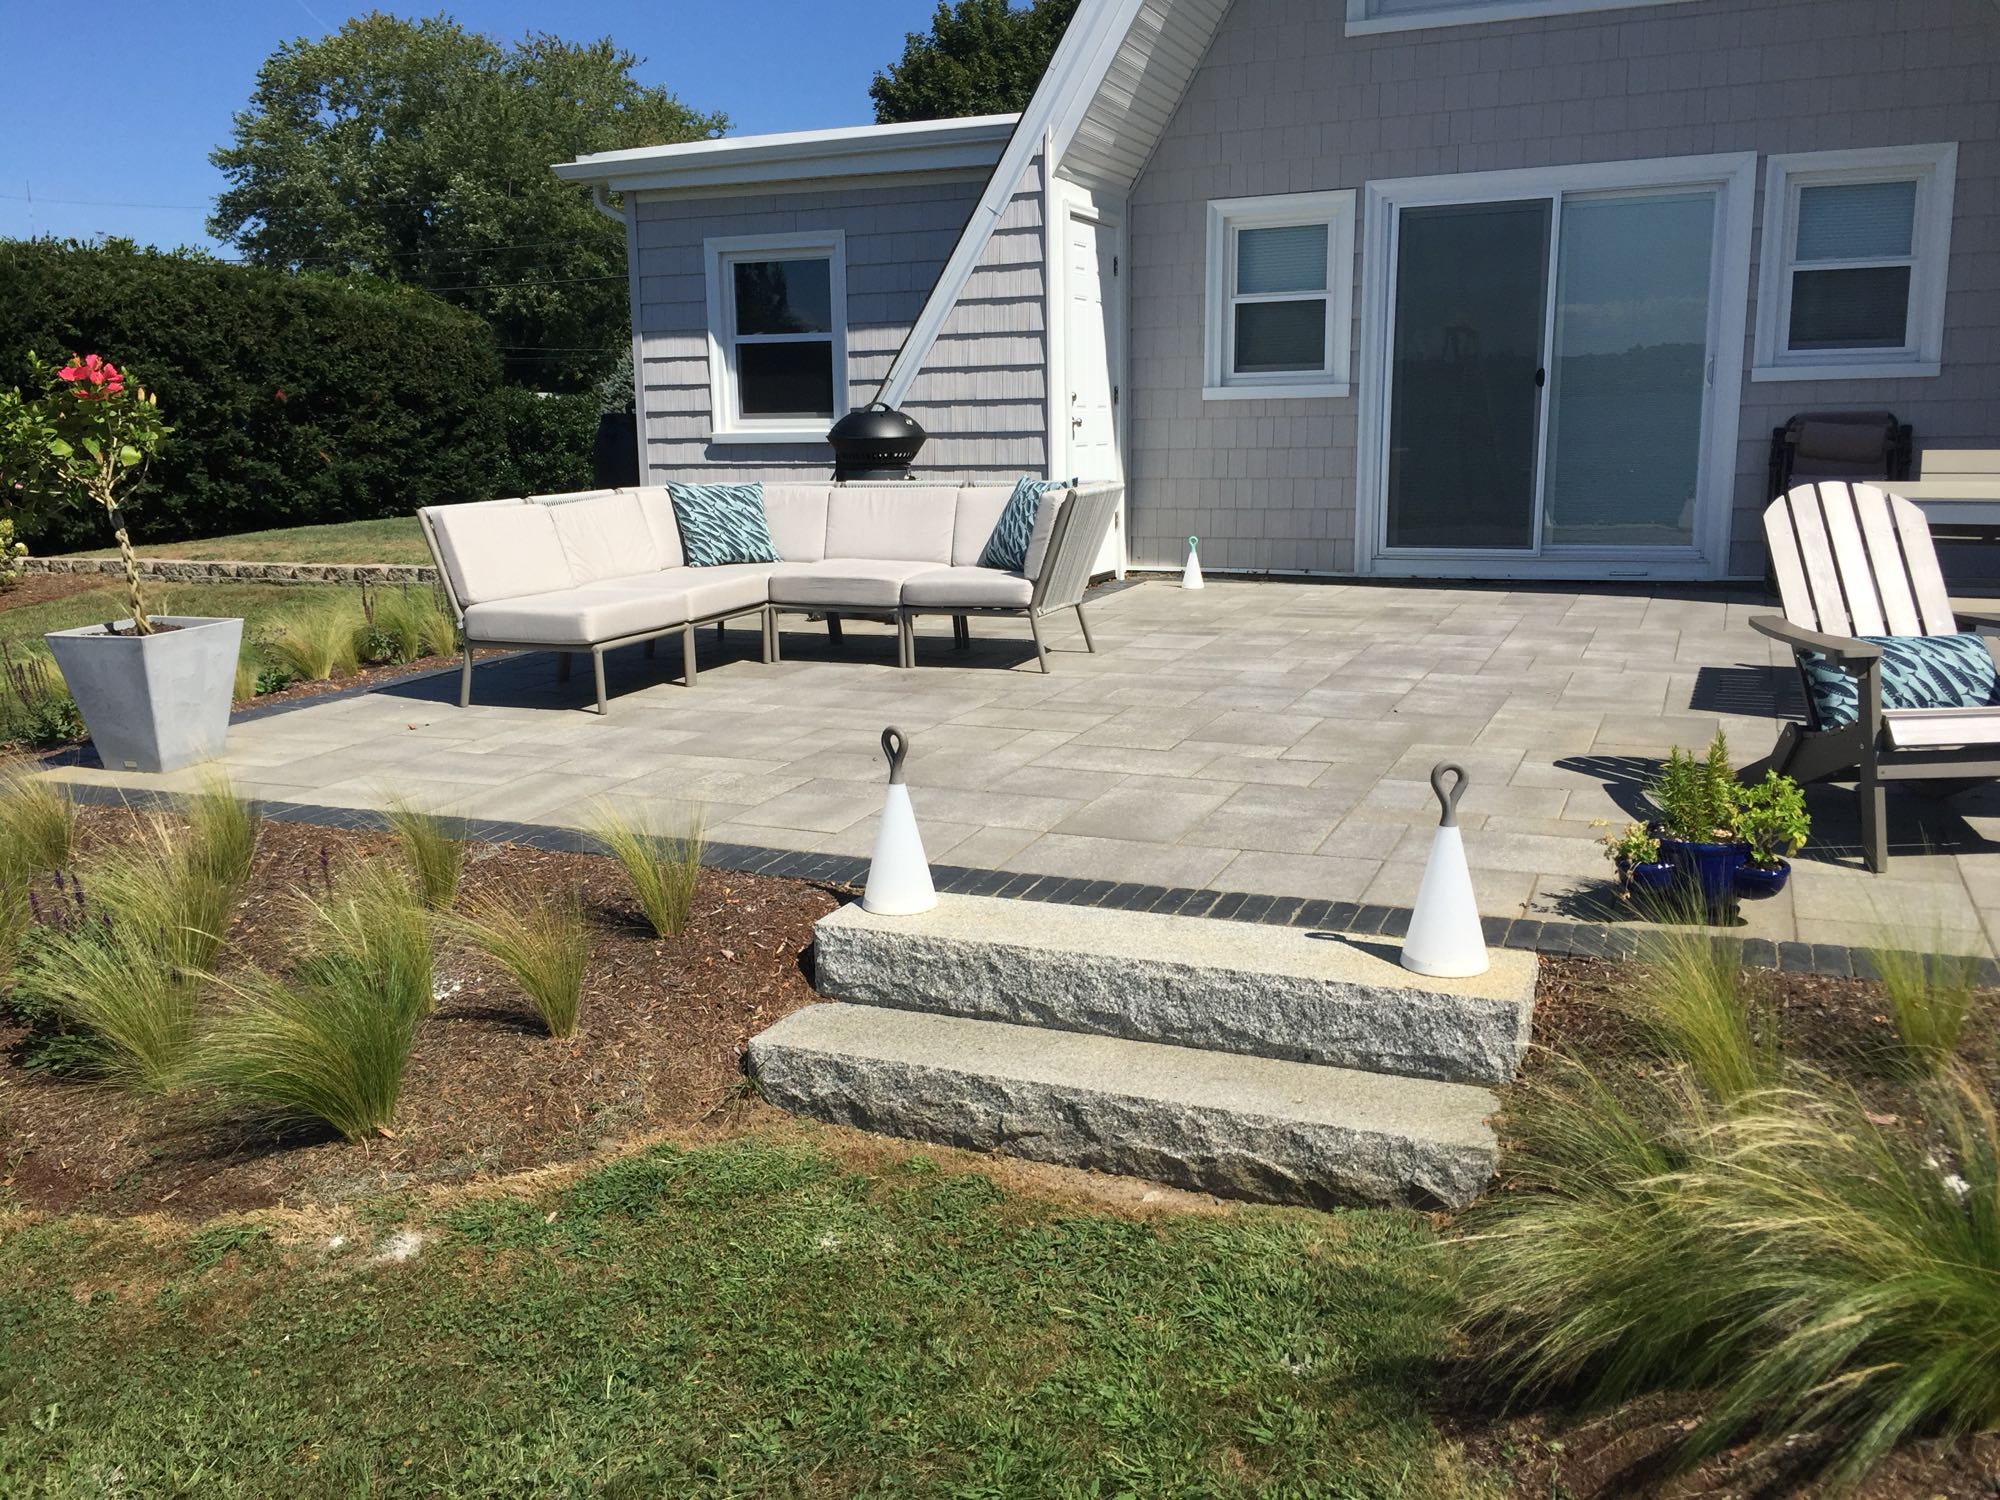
(875, 442)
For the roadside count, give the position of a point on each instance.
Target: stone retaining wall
(178, 570)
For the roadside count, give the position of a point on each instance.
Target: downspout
(600, 199)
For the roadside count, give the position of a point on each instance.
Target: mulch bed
(659, 1048)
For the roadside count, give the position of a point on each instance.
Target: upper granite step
(1275, 992)
(1248, 1127)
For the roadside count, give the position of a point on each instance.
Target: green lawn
(755, 1318)
(255, 603)
(396, 540)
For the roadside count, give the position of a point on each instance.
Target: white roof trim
(1053, 115)
(752, 160)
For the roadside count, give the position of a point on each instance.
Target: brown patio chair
(1853, 561)
(1849, 445)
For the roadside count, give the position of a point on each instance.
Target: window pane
(784, 296)
(785, 380)
(1864, 308)
(1290, 259)
(1856, 220)
(1275, 336)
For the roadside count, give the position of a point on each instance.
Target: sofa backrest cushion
(979, 507)
(658, 508)
(1045, 529)
(499, 549)
(797, 517)
(605, 537)
(892, 522)
(722, 524)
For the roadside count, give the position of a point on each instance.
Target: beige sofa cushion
(721, 589)
(1045, 527)
(979, 507)
(499, 549)
(968, 588)
(583, 616)
(892, 522)
(658, 509)
(856, 583)
(796, 514)
(605, 537)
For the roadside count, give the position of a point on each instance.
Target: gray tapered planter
(153, 702)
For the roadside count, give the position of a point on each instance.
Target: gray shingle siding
(898, 239)
(982, 391)
(1285, 101)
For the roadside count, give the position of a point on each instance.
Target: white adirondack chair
(1852, 560)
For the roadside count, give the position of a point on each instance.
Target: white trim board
(1735, 177)
(1474, 12)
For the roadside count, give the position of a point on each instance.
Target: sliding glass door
(1547, 373)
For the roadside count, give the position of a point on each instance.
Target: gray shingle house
(1430, 288)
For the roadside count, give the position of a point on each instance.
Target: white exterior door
(1092, 358)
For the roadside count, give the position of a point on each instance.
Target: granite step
(1226, 1123)
(1239, 987)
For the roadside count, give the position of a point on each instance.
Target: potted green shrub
(1696, 798)
(1772, 825)
(1635, 853)
(154, 691)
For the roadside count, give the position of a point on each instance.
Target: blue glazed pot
(1707, 870)
(1654, 880)
(1754, 883)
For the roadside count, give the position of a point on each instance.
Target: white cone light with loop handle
(899, 875)
(1445, 939)
(1191, 575)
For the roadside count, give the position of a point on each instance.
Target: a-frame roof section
(1109, 91)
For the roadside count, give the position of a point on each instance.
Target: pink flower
(93, 376)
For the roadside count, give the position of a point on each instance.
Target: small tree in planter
(154, 693)
(1697, 799)
(1771, 821)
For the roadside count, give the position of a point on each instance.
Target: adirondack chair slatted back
(1853, 560)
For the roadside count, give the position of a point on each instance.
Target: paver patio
(1267, 737)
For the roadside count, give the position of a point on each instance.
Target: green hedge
(294, 399)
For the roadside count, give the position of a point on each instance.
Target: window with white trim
(1856, 247)
(1280, 296)
(777, 323)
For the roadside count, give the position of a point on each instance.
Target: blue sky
(163, 78)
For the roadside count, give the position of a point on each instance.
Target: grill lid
(875, 441)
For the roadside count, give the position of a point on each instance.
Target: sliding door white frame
(1734, 177)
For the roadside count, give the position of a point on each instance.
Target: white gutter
(926, 146)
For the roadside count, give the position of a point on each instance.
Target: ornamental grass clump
(1690, 998)
(222, 834)
(1930, 993)
(435, 858)
(543, 941)
(663, 868)
(314, 643)
(331, 1043)
(37, 821)
(405, 625)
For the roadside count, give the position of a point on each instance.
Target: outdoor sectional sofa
(602, 569)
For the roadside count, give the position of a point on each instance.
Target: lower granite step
(1239, 1126)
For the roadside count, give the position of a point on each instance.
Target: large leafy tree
(980, 57)
(420, 152)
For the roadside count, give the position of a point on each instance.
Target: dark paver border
(1539, 935)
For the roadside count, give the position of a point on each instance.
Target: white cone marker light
(899, 876)
(1445, 939)
(1191, 576)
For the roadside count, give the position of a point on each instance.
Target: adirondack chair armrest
(1839, 649)
(1972, 619)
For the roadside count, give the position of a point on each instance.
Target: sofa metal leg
(562, 666)
(687, 654)
(1041, 651)
(777, 639)
(832, 626)
(465, 678)
(597, 675)
(906, 631)
(961, 632)
(1084, 625)
(652, 648)
(768, 620)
